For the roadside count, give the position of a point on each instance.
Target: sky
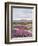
(21, 13)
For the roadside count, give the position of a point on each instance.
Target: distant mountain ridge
(22, 20)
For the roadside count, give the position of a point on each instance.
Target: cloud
(22, 13)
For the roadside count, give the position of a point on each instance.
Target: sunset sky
(21, 13)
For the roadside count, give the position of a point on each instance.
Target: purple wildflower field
(21, 29)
